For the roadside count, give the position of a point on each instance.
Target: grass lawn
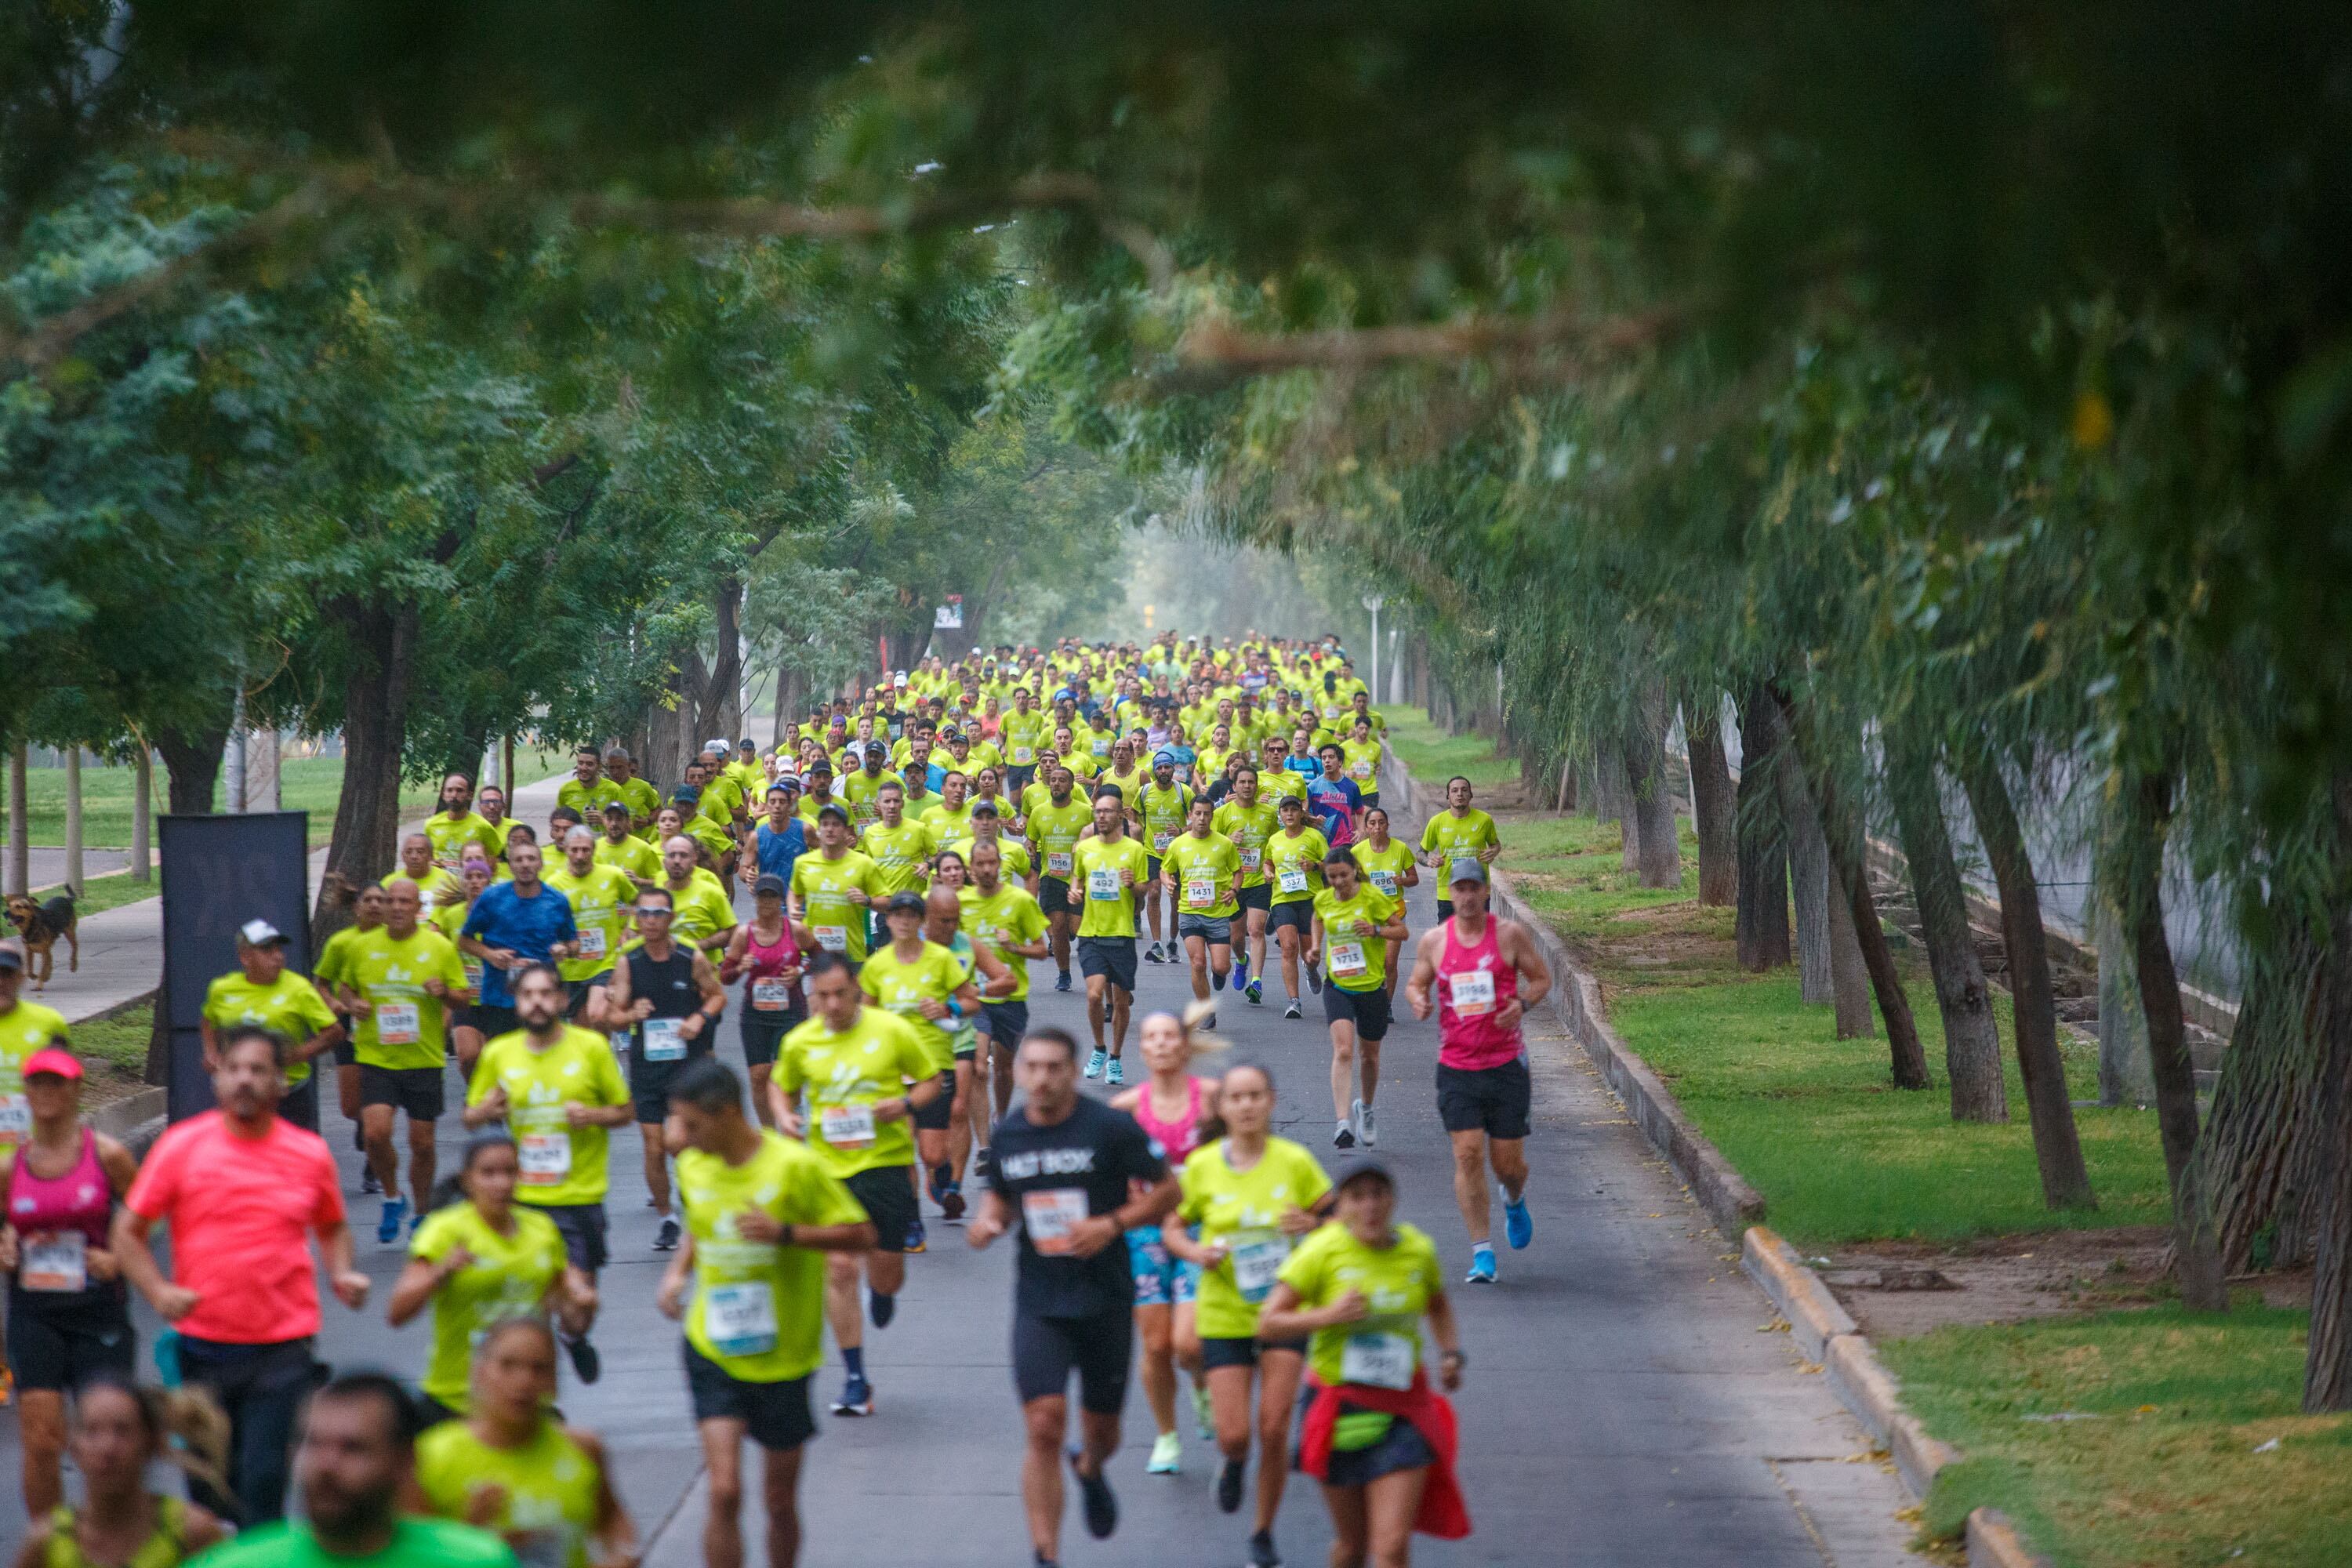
(2194, 1452)
(1435, 757)
(307, 783)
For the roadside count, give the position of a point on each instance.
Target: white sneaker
(1368, 1132)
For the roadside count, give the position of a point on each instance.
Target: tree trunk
(2327, 1364)
(2065, 1182)
(723, 708)
(192, 763)
(1761, 923)
(1713, 817)
(469, 752)
(1808, 874)
(2146, 809)
(1609, 783)
(366, 842)
(2254, 1166)
(1849, 970)
(2124, 1072)
(1650, 824)
(1963, 1000)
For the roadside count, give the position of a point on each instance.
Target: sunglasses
(646, 910)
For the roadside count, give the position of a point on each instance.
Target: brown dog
(41, 925)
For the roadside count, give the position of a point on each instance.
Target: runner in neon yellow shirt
(1160, 807)
(1356, 926)
(1460, 829)
(1294, 865)
(1110, 874)
(832, 889)
(603, 909)
(1053, 830)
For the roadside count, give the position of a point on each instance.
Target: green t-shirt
(552, 1488)
(759, 1308)
(1109, 902)
(1053, 832)
(1449, 835)
(1295, 865)
(1381, 867)
(1163, 814)
(823, 887)
(25, 1029)
(508, 1279)
(899, 854)
(589, 800)
(900, 988)
(1202, 864)
(561, 1164)
(415, 1542)
(1249, 828)
(401, 1025)
(846, 1075)
(1243, 1209)
(1355, 958)
(645, 801)
(632, 857)
(1399, 1282)
(450, 834)
(601, 902)
(700, 910)
(289, 1005)
(1010, 916)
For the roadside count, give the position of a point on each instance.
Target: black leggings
(261, 1388)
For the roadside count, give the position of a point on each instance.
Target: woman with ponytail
(117, 1431)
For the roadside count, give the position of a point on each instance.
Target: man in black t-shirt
(1062, 1166)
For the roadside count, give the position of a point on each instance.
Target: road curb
(1815, 1318)
(1861, 1381)
(1993, 1542)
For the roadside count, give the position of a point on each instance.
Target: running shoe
(916, 1240)
(1155, 955)
(856, 1398)
(881, 1307)
(1241, 971)
(1229, 1486)
(1101, 1507)
(1062, 981)
(1482, 1265)
(1262, 1551)
(1315, 978)
(1368, 1132)
(1167, 1456)
(387, 1224)
(1343, 1136)
(936, 1184)
(666, 1238)
(1291, 1011)
(585, 1362)
(1114, 1073)
(1210, 1022)
(1097, 1062)
(1221, 979)
(1205, 1420)
(369, 1186)
(1256, 991)
(1518, 1225)
(951, 1203)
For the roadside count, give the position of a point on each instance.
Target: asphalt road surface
(1625, 1400)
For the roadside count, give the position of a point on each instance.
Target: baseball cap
(687, 795)
(833, 808)
(984, 808)
(721, 747)
(1064, 694)
(1466, 869)
(50, 1058)
(259, 933)
(620, 806)
(903, 903)
(785, 783)
(899, 678)
(12, 953)
(1365, 1165)
(877, 749)
(769, 883)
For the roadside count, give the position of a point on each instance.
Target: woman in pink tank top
(765, 955)
(1178, 1110)
(68, 1318)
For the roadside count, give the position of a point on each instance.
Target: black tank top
(668, 985)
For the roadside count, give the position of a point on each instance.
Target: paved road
(1621, 1404)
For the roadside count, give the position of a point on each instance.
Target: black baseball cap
(768, 884)
(903, 903)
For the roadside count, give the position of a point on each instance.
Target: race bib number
(591, 942)
(397, 1024)
(61, 1263)
(1472, 991)
(1361, 770)
(1385, 881)
(545, 1158)
(474, 975)
(770, 993)
(1347, 960)
(1200, 892)
(833, 939)
(1023, 755)
(1256, 1260)
(1050, 1216)
(1293, 878)
(846, 1126)
(1102, 886)
(1058, 862)
(662, 1041)
(740, 1319)
(1378, 1361)
(16, 1119)
(1252, 858)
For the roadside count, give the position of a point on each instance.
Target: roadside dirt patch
(1896, 1289)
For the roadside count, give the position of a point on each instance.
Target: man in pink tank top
(1481, 975)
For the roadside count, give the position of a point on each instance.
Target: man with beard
(357, 1459)
(243, 1191)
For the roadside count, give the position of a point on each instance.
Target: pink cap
(63, 1062)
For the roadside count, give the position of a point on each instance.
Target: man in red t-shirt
(243, 1192)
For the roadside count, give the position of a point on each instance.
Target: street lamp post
(1373, 602)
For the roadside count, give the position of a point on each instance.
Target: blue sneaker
(1062, 981)
(1518, 1226)
(916, 1242)
(1241, 971)
(1482, 1265)
(1256, 991)
(387, 1224)
(1096, 1063)
(1114, 1073)
(856, 1398)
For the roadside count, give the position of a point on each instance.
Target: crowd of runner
(909, 854)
